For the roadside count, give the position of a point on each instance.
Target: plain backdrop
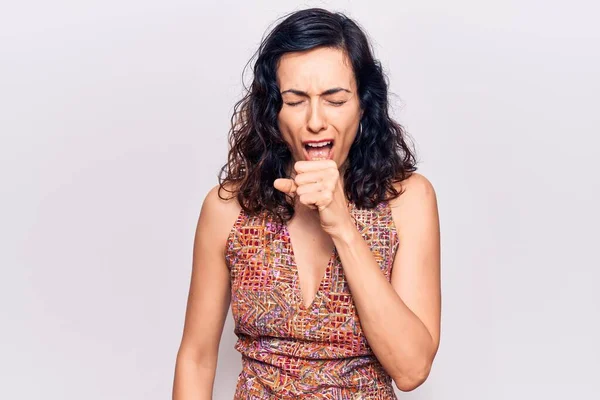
(113, 121)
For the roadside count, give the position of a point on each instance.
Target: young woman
(327, 247)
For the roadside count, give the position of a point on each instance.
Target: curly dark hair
(258, 153)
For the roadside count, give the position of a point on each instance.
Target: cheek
(288, 126)
(348, 139)
(287, 134)
(347, 144)
(283, 126)
(289, 119)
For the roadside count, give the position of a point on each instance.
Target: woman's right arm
(208, 301)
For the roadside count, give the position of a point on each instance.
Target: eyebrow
(325, 93)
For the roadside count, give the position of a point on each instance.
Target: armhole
(394, 240)
(232, 243)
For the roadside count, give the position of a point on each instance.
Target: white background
(113, 121)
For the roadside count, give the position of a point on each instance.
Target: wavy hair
(258, 153)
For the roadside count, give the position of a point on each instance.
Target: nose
(316, 120)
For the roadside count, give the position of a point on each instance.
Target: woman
(327, 248)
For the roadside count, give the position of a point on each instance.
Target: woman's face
(320, 104)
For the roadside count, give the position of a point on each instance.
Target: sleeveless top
(289, 350)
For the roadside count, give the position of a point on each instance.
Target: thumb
(285, 185)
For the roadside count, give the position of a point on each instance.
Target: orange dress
(289, 350)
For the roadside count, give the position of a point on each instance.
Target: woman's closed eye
(333, 103)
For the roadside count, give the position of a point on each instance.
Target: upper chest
(262, 251)
(270, 294)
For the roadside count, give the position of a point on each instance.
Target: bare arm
(401, 318)
(208, 302)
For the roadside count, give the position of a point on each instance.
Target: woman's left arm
(401, 318)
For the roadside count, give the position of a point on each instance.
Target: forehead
(315, 70)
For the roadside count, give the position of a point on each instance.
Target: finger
(310, 177)
(311, 187)
(315, 200)
(306, 166)
(285, 185)
(327, 174)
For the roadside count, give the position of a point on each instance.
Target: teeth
(318, 144)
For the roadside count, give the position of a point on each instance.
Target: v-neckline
(294, 267)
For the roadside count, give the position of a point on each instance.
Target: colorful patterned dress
(289, 350)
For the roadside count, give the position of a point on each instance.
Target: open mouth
(319, 151)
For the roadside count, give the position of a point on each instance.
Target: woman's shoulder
(416, 203)
(415, 185)
(219, 212)
(223, 197)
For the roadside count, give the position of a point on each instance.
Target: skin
(318, 115)
(401, 318)
(208, 301)
(320, 101)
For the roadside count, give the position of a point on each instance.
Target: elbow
(410, 381)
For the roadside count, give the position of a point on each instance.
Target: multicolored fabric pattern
(289, 350)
